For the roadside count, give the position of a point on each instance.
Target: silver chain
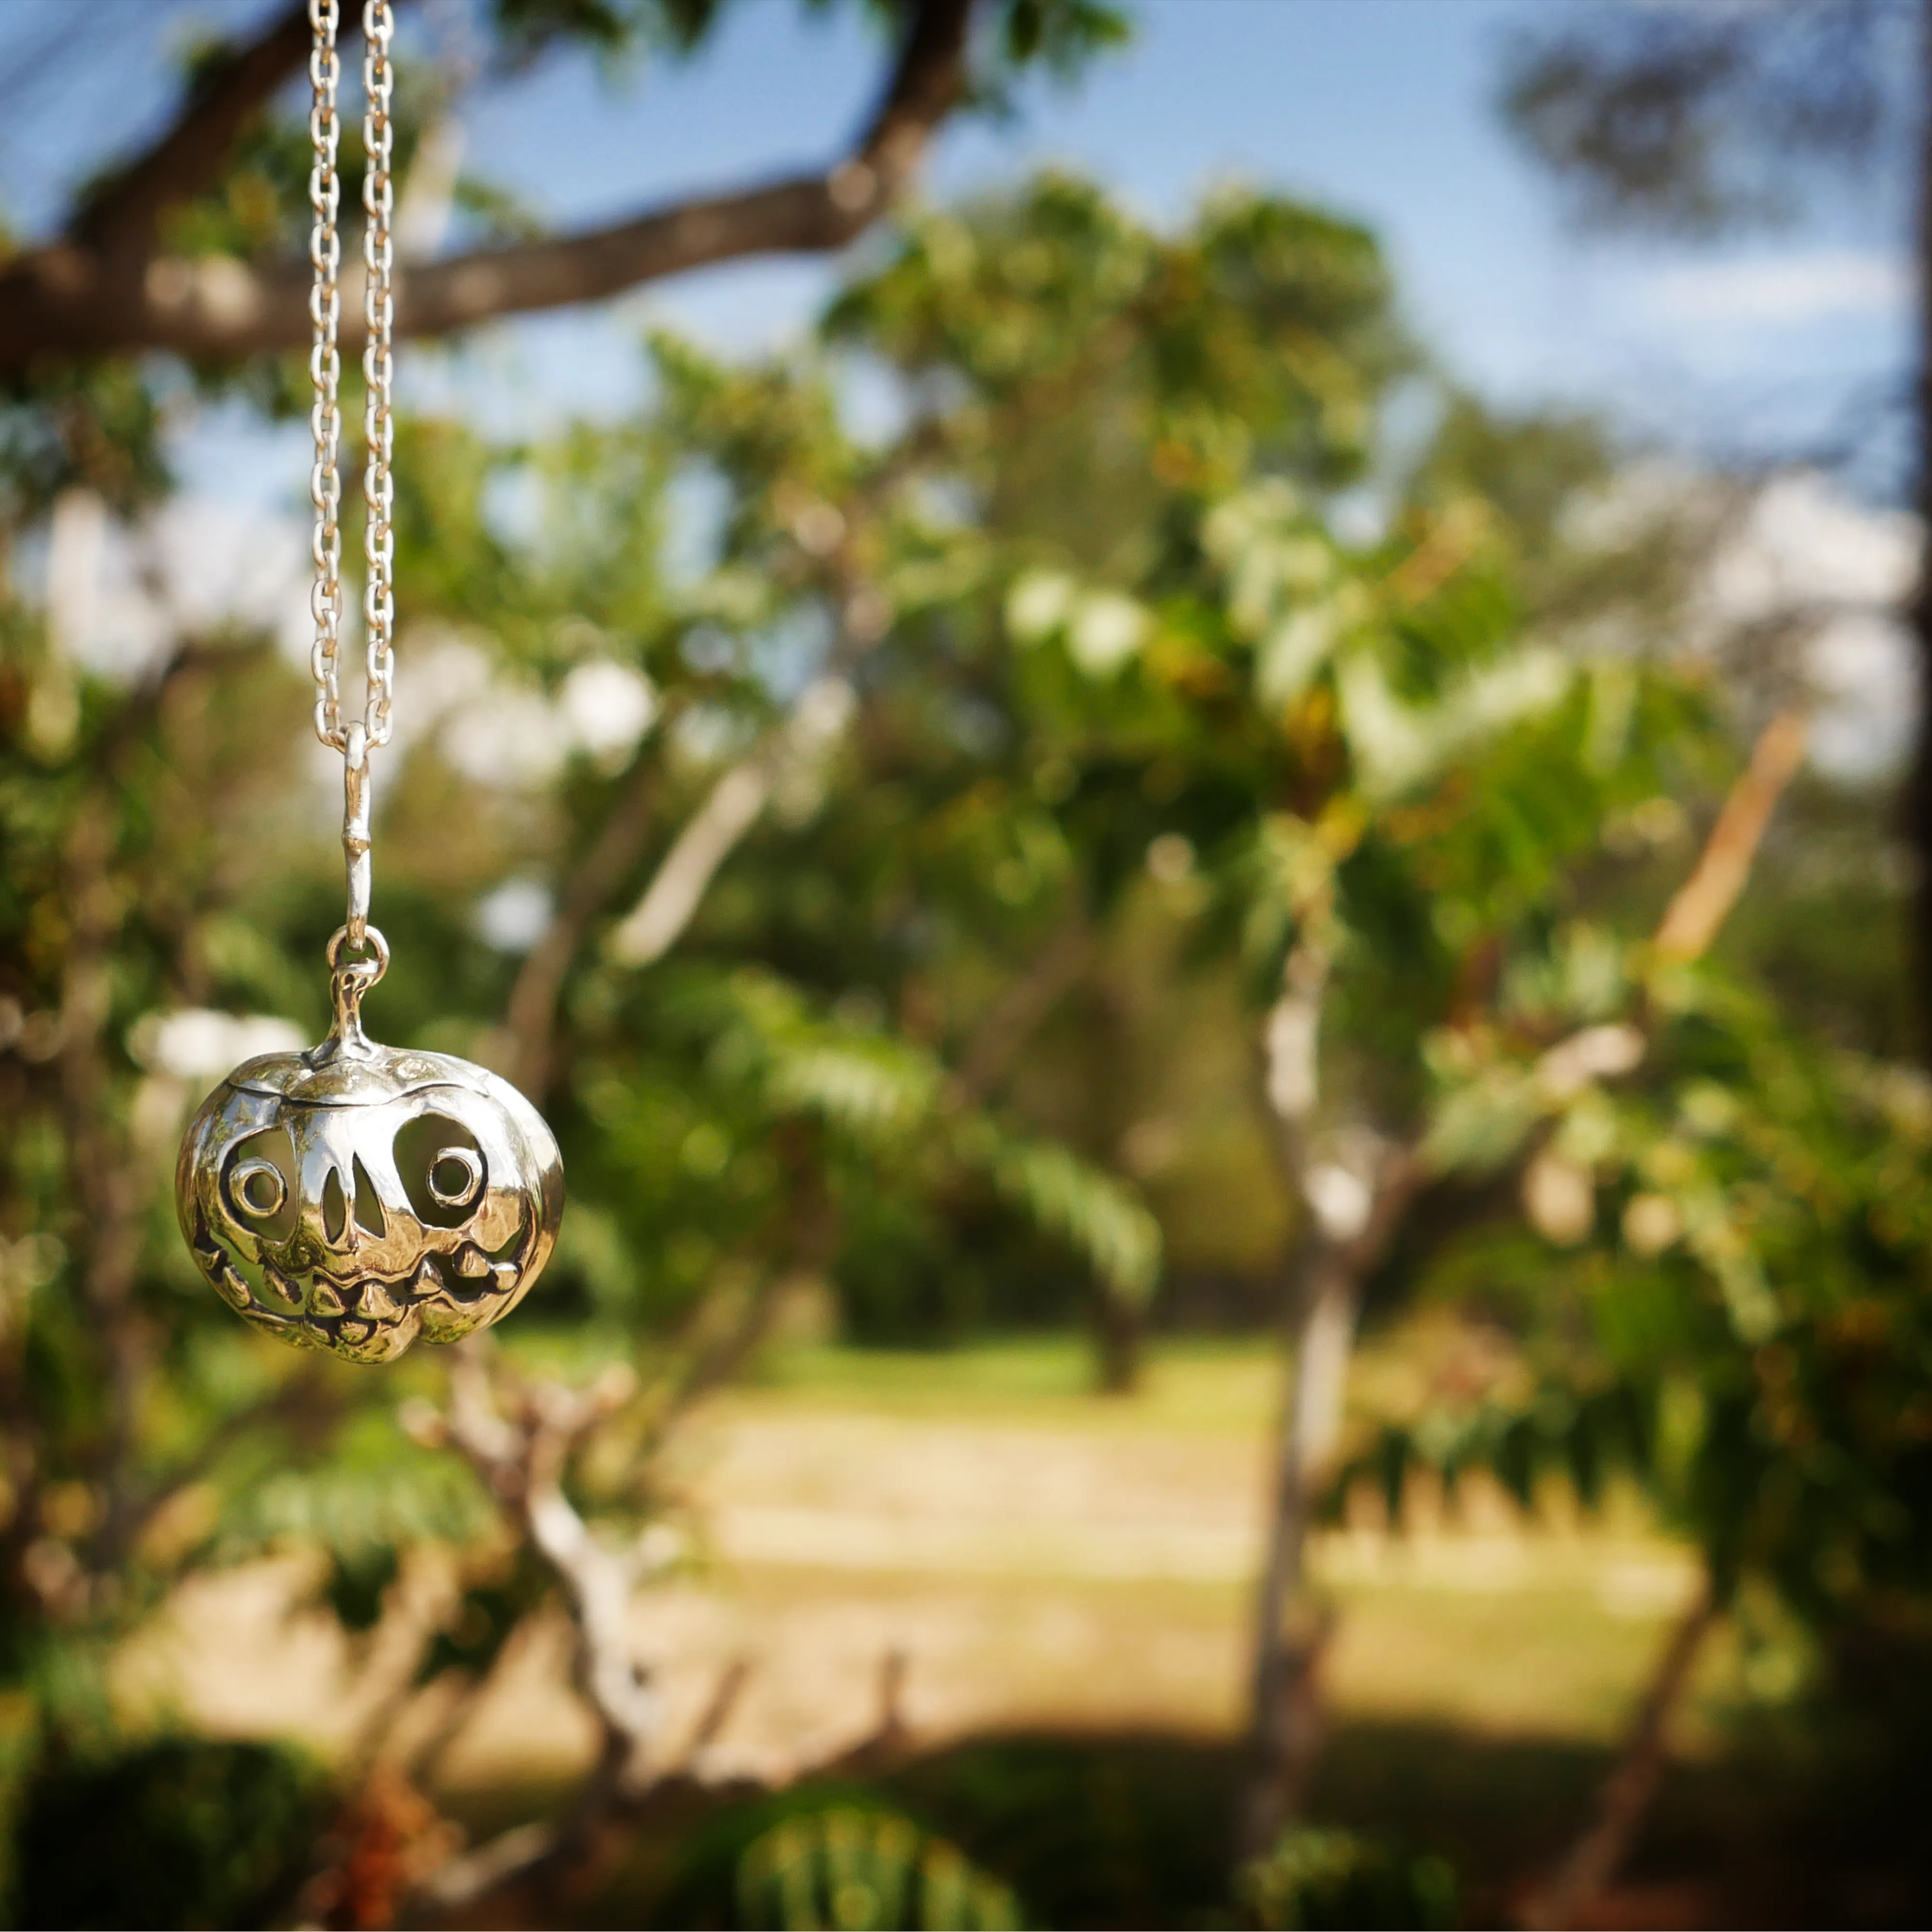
(378, 425)
(324, 369)
(356, 740)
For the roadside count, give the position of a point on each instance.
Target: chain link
(324, 369)
(378, 601)
(354, 741)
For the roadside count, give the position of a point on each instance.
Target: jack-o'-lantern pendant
(356, 1196)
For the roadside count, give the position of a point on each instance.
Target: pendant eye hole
(259, 1187)
(443, 1169)
(456, 1177)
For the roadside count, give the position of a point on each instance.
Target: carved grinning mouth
(353, 1308)
(467, 1276)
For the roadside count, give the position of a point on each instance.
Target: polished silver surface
(325, 372)
(379, 421)
(358, 738)
(355, 1197)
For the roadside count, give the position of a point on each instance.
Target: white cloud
(1781, 289)
(1805, 542)
(1806, 546)
(1863, 668)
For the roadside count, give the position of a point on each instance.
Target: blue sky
(1381, 108)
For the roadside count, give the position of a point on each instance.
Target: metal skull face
(353, 1204)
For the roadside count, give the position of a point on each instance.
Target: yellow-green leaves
(1398, 746)
(1103, 629)
(896, 1101)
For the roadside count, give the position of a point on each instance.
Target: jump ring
(375, 968)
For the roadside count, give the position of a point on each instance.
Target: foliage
(1318, 1877)
(832, 1854)
(1735, 1319)
(980, 718)
(180, 1832)
(1059, 35)
(1695, 120)
(1119, 657)
(864, 1870)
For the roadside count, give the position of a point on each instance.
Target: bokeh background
(1198, 814)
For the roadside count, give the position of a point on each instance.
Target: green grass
(1219, 1384)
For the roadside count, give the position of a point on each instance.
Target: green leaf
(1098, 1214)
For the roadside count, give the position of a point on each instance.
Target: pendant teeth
(280, 1286)
(376, 1303)
(323, 1299)
(426, 1280)
(472, 1261)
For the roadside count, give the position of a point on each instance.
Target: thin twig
(530, 1014)
(1023, 1004)
(1704, 901)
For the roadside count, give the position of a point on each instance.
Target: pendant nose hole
(334, 1207)
(368, 1203)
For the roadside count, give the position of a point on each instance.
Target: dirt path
(1053, 1561)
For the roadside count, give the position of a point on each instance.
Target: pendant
(355, 1196)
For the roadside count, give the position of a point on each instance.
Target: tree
(135, 819)
(726, 1123)
(839, 824)
(1710, 121)
(1375, 784)
(1727, 1314)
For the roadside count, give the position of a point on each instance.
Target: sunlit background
(1316, 974)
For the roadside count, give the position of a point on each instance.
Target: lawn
(973, 1554)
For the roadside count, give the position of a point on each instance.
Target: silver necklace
(355, 1196)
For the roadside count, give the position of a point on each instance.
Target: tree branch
(730, 808)
(1595, 1859)
(1022, 1004)
(122, 215)
(706, 840)
(530, 1015)
(1690, 924)
(522, 1457)
(1704, 900)
(74, 299)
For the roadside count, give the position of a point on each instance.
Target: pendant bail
(348, 979)
(356, 830)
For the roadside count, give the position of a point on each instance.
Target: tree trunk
(1118, 1336)
(1625, 1800)
(1286, 1722)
